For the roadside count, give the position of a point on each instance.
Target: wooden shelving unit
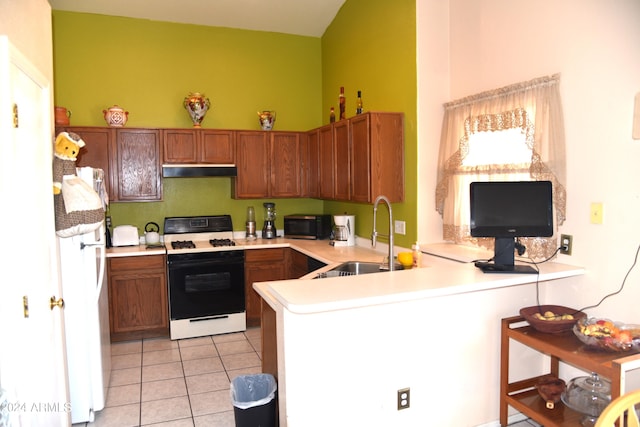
(566, 348)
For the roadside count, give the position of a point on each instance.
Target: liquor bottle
(342, 101)
(332, 115)
(359, 103)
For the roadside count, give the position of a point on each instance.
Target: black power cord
(635, 261)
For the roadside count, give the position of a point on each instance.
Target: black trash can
(254, 400)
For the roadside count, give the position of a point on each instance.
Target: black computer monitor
(506, 210)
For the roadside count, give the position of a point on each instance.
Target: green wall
(148, 67)
(371, 46)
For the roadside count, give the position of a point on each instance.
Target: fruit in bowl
(551, 319)
(604, 334)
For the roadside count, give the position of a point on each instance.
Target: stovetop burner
(183, 244)
(221, 242)
(198, 233)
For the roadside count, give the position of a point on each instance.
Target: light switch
(596, 213)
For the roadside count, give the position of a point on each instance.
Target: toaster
(125, 235)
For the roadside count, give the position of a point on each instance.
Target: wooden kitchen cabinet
(360, 158)
(311, 166)
(285, 159)
(130, 158)
(185, 146)
(377, 156)
(261, 265)
(252, 155)
(567, 348)
(341, 160)
(268, 165)
(138, 306)
(298, 264)
(137, 169)
(326, 164)
(98, 149)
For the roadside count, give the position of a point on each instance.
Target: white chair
(618, 408)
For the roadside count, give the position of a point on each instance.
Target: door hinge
(15, 115)
(25, 306)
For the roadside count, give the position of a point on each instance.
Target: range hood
(198, 170)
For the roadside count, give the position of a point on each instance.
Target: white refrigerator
(86, 317)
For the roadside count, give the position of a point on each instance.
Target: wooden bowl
(556, 326)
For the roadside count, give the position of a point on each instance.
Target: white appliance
(125, 235)
(86, 316)
(344, 230)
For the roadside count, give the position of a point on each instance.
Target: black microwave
(307, 226)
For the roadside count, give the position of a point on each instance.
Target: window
(509, 134)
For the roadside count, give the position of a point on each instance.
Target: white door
(32, 355)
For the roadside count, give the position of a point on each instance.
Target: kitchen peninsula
(346, 345)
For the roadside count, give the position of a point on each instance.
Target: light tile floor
(184, 383)
(178, 383)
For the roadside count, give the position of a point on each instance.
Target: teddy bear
(78, 208)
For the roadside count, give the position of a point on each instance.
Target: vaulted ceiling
(302, 17)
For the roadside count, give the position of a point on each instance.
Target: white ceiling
(302, 17)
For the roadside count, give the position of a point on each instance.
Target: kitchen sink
(353, 268)
(357, 267)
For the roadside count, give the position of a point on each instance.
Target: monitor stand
(504, 259)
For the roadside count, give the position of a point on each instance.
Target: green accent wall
(148, 67)
(371, 46)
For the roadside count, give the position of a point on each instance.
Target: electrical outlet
(404, 397)
(566, 241)
(400, 227)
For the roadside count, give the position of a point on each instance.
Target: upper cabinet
(185, 146)
(359, 158)
(137, 167)
(252, 156)
(354, 160)
(269, 164)
(130, 159)
(377, 156)
(326, 163)
(285, 155)
(98, 149)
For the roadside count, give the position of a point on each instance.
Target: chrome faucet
(389, 236)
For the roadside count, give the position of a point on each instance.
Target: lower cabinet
(261, 265)
(138, 306)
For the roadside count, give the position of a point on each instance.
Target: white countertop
(446, 270)
(438, 276)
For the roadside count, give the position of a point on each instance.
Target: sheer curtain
(526, 117)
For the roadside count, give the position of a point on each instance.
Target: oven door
(206, 284)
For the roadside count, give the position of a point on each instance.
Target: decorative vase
(197, 106)
(267, 118)
(115, 116)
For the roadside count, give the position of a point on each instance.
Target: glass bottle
(359, 103)
(332, 115)
(342, 102)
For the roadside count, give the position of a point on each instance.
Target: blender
(269, 228)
